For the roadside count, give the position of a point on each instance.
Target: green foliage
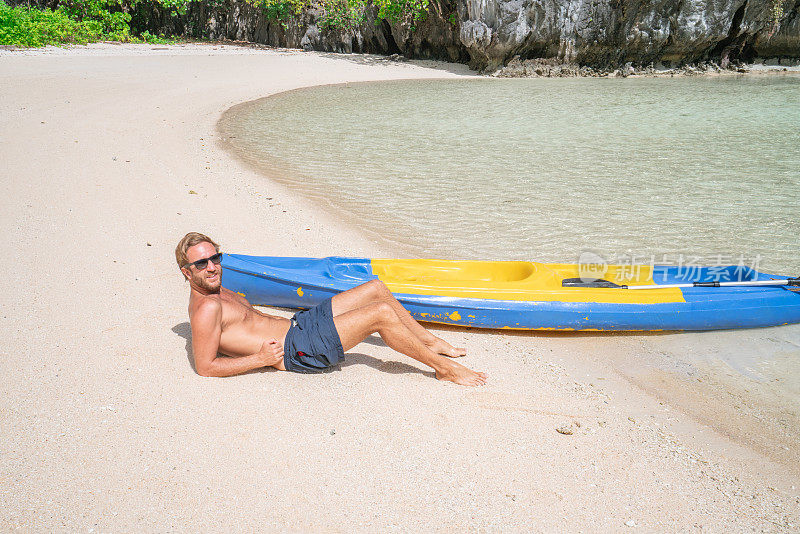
(776, 15)
(22, 27)
(777, 11)
(106, 15)
(343, 14)
(346, 14)
(280, 10)
(83, 21)
(73, 22)
(406, 11)
(175, 7)
(147, 37)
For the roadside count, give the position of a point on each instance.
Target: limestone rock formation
(609, 33)
(593, 33)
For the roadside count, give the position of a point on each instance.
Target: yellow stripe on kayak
(516, 280)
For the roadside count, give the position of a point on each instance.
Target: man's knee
(378, 288)
(383, 314)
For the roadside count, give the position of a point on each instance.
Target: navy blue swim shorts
(312, 343)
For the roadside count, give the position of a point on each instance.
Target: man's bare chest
(235, 313)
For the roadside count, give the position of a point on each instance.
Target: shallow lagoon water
(544, 170)
(682, 171)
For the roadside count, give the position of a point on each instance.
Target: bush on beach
(72, 22)
(39, 27)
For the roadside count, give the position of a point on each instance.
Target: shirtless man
(229, 336)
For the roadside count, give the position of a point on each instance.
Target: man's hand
(271, 352)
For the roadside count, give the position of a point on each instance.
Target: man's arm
(206, 331)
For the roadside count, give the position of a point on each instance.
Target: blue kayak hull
(305, 282)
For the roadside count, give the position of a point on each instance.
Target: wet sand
(110, 153)
(745, 384)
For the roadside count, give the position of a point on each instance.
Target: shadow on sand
(384, 366)
(441, 327)
(184, 330)
(361, 59)
(377, 60)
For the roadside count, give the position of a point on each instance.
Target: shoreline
(127, 140)
(543, 68)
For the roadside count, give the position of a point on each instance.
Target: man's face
(208, 279)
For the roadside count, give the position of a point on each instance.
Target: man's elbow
(205, 370)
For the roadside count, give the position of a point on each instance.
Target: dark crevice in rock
(729, 48)
(536, 50)
(392, 47)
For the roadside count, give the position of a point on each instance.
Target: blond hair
(189, 240)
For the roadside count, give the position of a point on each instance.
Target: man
(229, 336)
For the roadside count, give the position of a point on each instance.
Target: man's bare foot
(455, 372)
(440, 346)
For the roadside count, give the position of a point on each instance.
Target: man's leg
(376, 291)
(355, 325)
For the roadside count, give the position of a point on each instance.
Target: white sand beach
(108, 155)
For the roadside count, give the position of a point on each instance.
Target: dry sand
(106, 427)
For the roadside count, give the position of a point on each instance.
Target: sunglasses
(201, 265)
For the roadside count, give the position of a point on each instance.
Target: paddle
(579, 282)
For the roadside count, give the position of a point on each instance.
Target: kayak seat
(438, 272)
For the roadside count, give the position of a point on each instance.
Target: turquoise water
(700, 170)
(683, 170)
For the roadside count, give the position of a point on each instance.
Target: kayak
(527, 295)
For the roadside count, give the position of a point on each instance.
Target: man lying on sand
(229, 336)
